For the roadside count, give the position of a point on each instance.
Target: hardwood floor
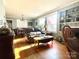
(29, 51)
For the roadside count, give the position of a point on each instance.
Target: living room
(39, 29)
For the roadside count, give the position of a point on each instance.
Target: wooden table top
(42, 37)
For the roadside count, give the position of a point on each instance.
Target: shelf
(70, 17)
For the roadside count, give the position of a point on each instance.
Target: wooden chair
(71, 42)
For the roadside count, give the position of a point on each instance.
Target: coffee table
(43, 39)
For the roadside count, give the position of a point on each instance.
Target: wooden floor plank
(25, 51)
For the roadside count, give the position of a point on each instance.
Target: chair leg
(35, 43)
(77, 56)
(70, 53)
(38, 43)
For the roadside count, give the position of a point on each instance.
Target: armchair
(6, 44)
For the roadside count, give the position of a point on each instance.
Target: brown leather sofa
(19, 32)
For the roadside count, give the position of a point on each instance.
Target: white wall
(21, 23)
(41, 22)
(2, 13)
(17, 23)
(14, 23)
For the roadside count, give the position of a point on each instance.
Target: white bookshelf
(69, 16)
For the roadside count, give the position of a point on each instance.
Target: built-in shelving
(70, 17)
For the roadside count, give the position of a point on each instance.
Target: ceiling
(32, 8)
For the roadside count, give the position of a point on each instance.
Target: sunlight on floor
(18, 49)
